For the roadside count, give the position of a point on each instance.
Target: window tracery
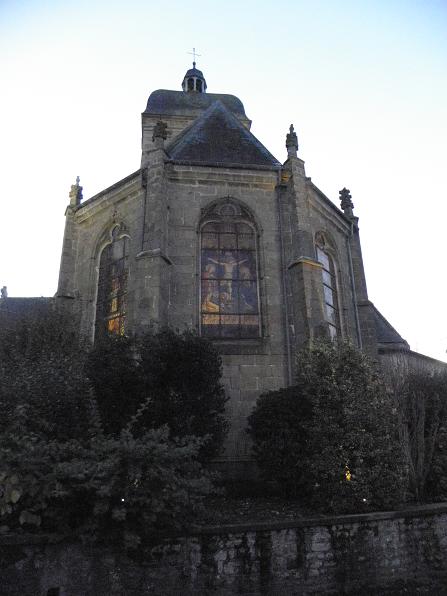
(229, 294)
(111, 304)
(329, 281)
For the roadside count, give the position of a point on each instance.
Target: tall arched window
(111, 305)
(329, 279)
(229, 295)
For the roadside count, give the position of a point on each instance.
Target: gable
(218, 138)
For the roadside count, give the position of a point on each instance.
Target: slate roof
(386, 334)
(194, 72)
(179, 103)
(15, 310)
(18, 307)
(218, 138)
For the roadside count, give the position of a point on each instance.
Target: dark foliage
(182, 375)
(331, 439)
(41, 371)
(121, 489)
(421, 398)
(279, 428)
(68, 465)
(175, 378)
(115, 373)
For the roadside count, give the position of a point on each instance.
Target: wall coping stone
(414, 511)
(330, 520)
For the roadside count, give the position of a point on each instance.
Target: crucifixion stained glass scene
(229, 288)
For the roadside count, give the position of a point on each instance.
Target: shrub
(114, 370)
(60, 471)
(331, 437)
(176, 375)
(113, 488)
(42, 371)
(279, 428)
(183, 377)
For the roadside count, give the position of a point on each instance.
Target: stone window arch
(229, 288)
(325, 255)
(111, 302)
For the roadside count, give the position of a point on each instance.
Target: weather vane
(194, 54)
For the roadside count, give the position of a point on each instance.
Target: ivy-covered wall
(379, 553)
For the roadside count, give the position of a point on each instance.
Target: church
(213, 233)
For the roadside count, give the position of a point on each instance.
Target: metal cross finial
(194, 54)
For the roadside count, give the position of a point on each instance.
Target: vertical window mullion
(232, 270)
(330, 297)
(112, 287)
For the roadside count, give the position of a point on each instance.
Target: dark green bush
(115, 373)
(122, 488)
(42, 370)
(182, 373)
(331, 438)
(71, 464)
(279, 428)
(176, 375)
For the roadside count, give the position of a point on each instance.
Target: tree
(177, 376)
(121, 488)
(183, 374)
(42, 371)
(342, 452)
(113, 367)
(67, 465)
(421, 401)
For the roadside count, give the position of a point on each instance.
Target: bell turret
(194, 81)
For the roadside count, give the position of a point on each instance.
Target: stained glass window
(112, 287)
(329, 292)
(229, 297)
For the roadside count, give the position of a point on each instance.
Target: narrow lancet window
(229, 298)
(330, 297)
(111, 305)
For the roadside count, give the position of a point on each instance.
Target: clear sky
(363, 82)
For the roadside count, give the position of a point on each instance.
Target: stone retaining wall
(381, 553)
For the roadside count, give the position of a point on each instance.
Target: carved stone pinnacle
(292, 142)
(346, 202)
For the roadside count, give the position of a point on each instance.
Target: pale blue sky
(363, 82)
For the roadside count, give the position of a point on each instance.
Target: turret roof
(179, 103)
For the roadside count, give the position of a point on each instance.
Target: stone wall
(398, 363)
(381, 553)
(250, 367)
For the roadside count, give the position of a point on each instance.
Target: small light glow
(122, 500)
